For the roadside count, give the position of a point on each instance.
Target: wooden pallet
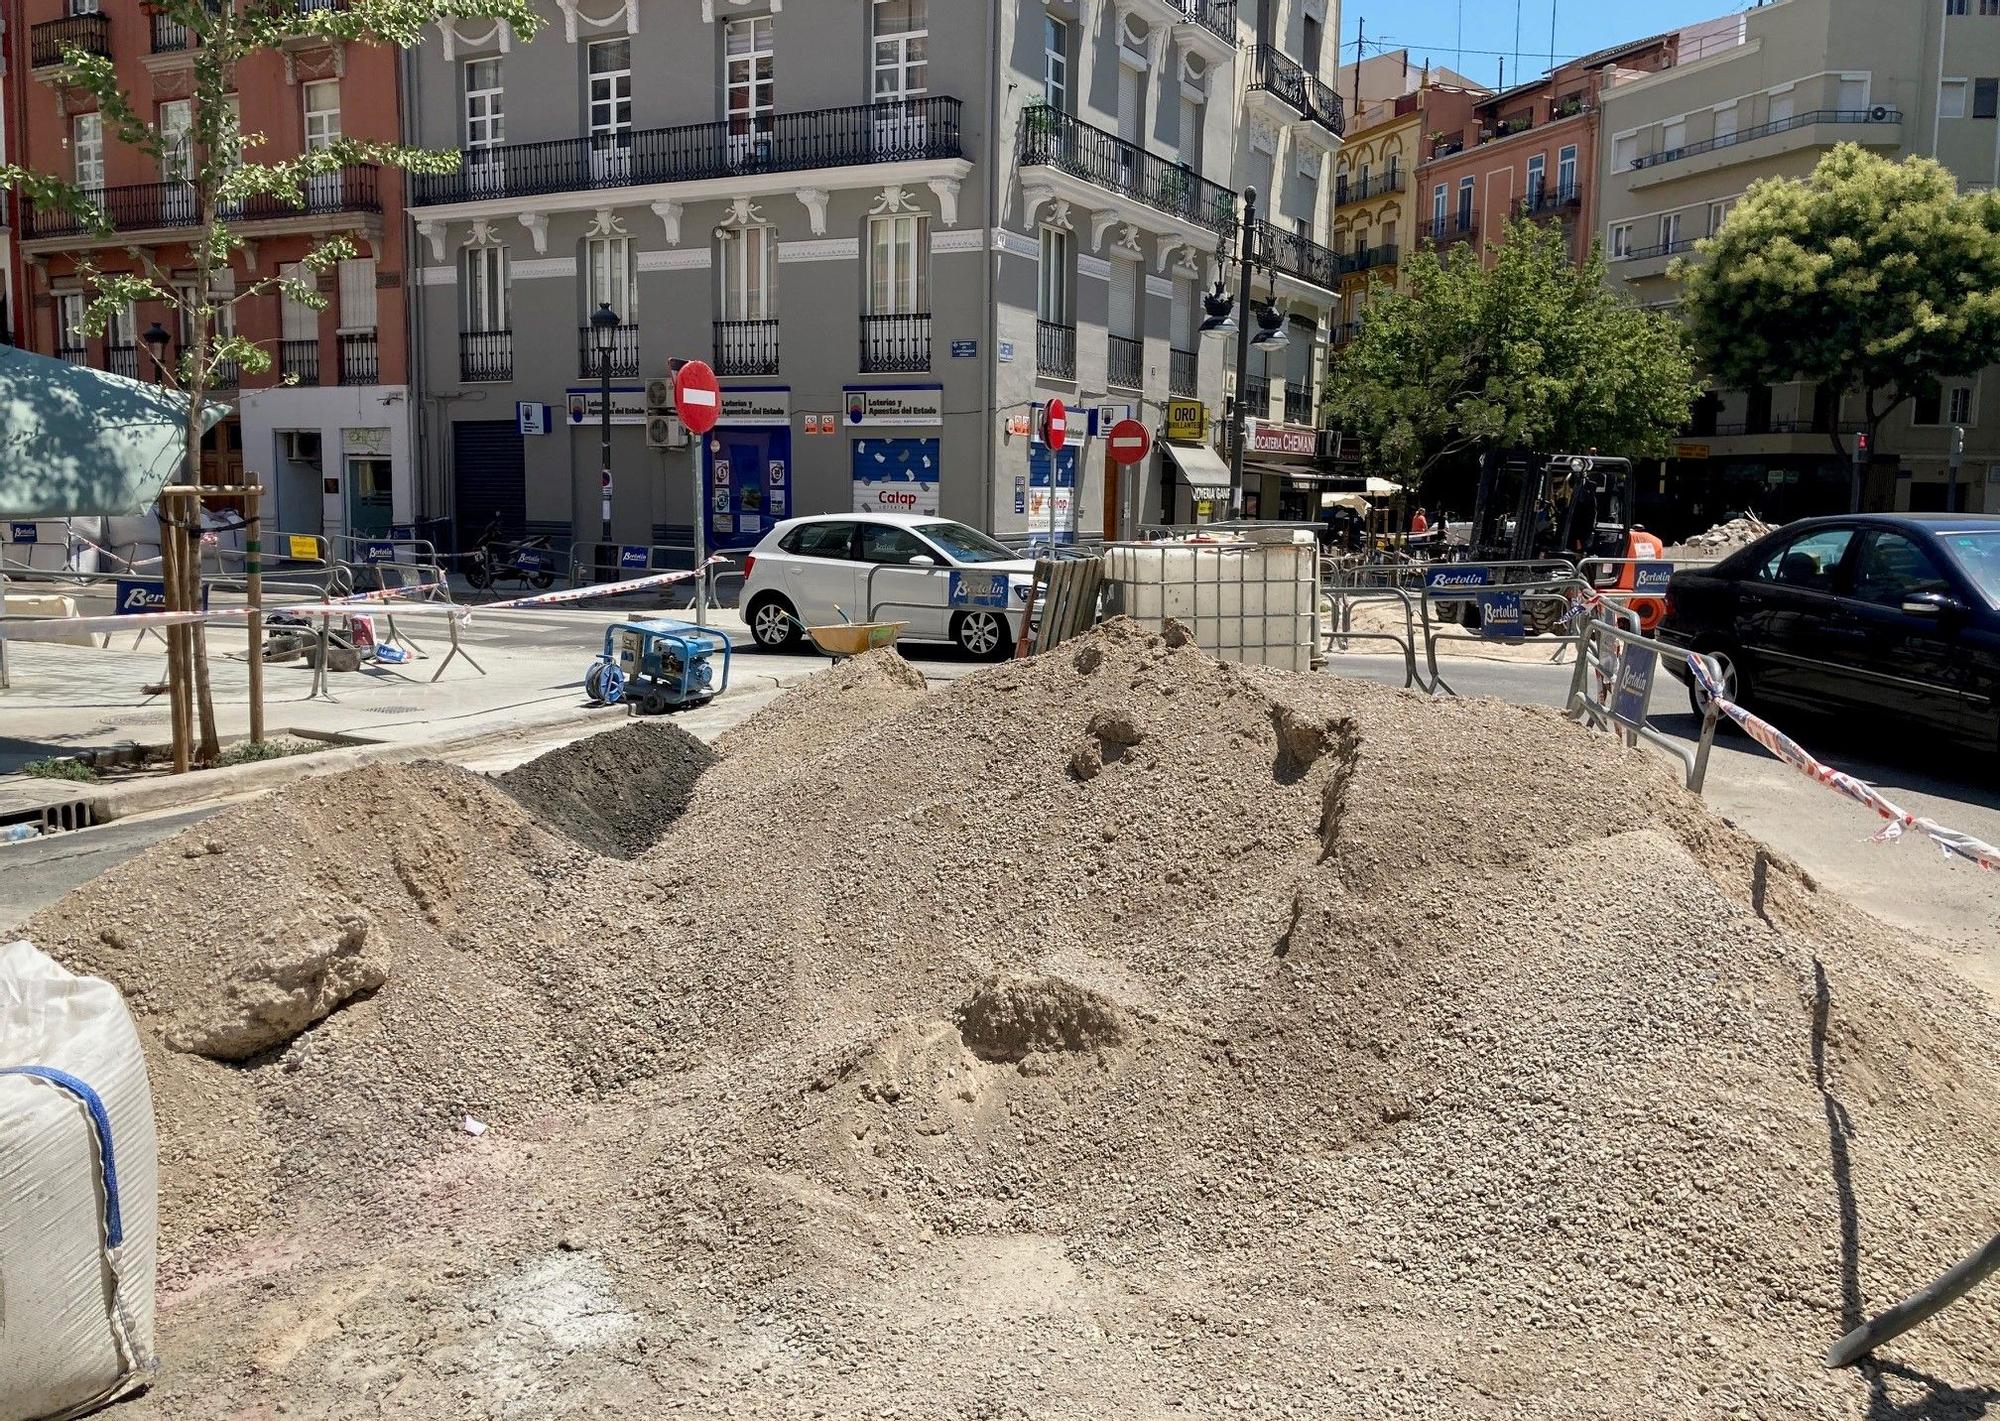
(1066, 591)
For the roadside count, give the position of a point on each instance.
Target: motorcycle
(494, 558)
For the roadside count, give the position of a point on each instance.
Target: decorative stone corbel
(1169, 244)
(434, 233)
(815, 200)
(947, 196)
(669, 214)
(249, 254)
(708, 9)
(537, 224)
(1100, 222)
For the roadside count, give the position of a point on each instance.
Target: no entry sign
(1055, 424)
(1129, 441)
(697, 397)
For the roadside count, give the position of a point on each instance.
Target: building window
(1625, 150)
(613, 278)
(1989, 7)
(1718, 213)
(322, 99)
(1055, 63)
(1851, 95)
(749, 72)
(1566, 172)
(87, 149)
(1052, 292)
(1438, 203)
(1310, 45)
(176, 130)
(488, 306)
(610, 93)
(357, 294)
(749, 273)
(1782, 106)
(222, 309)
(1951, 98)
(898, 275)
(902, 49)
(1985, 98)
(1465, 191)
(1190, 133)
(1670, 230)
(1674, 136)
(1621, 241)
(1538, 172)
(1958, 399)
(485, 113)
(298, 322)
(1954, 7)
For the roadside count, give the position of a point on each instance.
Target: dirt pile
(616, 791)
(1722, 540)
(1121, 1034)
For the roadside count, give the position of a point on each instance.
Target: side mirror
(1931, 604)
(923, 560)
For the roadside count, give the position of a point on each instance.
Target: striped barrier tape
(602, 589)
(1950, 841)
(62, 628)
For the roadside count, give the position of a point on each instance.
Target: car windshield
(963, 544)
(1979, 555)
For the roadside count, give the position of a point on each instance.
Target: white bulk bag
(77, 1192)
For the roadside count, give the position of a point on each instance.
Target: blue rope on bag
(100, 1120)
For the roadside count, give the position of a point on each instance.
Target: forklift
(1558, 508)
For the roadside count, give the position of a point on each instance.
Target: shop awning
(1355, 501)
(79, 443)
(1200, 465)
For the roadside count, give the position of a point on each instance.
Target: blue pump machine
(658, 666)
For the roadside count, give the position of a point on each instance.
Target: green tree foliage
(224, 169)
(1869, 275)
(1533, 352)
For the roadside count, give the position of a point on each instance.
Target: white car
(948, 581)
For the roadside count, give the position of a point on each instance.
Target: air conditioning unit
(659, 396)
(663, 431)
(302, 446)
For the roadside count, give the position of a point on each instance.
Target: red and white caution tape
(63, 628)
(602, 589)
(1950, 841)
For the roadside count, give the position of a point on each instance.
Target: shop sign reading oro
(1187, 421)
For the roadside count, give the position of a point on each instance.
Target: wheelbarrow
(851, 638)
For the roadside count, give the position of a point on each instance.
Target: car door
(1782, 607)
(1895, 663)
(820, 576)
(900, 592)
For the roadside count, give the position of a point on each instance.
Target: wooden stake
(177, 680)
(253, 578)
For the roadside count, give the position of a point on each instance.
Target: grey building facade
(894, 227)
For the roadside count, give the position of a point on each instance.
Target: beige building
(1766, 93)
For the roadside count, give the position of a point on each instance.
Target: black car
(1894, 615)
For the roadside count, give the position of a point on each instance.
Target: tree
(1533, 352)
(223, 176)
(1867, 276)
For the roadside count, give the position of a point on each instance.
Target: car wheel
(774, 625)
(984, 635)
(1735, 685)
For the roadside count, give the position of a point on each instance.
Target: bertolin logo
(1457, 577)
(1652, 576)
(141, 597)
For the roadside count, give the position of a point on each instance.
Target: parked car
(886, 567)
(1888, 615)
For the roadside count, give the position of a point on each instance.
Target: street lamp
(604, 325)
(157, 340)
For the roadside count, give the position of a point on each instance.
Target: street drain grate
(393, 710)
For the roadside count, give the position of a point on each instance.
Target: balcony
(1507, 127)
(73, 354)
(298, 361)
(1881, 127)
(1384, 254)
(896, 344)
(485, 356)
(48, 41)
(226, 375)
(624, 352)
(1299, 256)
(170, 36)
(1210, 28)
(1054, 140)
(360, 358)
(1298, 404)
(1551, 200)
(1346, 190)
(163, 207)
(122, 360)
(1055, 350)
(1346, 333)
(1125, 362)
(1184, 373)
(907, 131)
(1257, 397)
(1275, 73)
(746, 347)
(1443, 231)
(1638, 263)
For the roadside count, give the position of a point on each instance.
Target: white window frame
(891, 55)
(1620, 240)
(487, 305)
(902, 286)
(752, 100)
(1726, 120)
(87, 150)
(322, 124)
(1566, 178)
(1954, 97)
(1468, 200)
(1052, 277)
(1718, 213)
(485, 105)
(175, 121)
(70, 306)
(1440, 208)
(1538, 175)
(297, 322)
(747, 263)
(1959, 405)
(1055, 63)
(611, 277)
(1670, 229)
(362, 314)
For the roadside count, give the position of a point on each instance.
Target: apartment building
(1764, 94)
(333, 445)
(894, 227)
(10, 272)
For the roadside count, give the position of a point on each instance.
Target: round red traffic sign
(1129, 441)
(697, 397)
(1055, 424)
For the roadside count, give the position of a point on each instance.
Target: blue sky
(1431, 29)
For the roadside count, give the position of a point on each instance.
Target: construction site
(1117, 1033)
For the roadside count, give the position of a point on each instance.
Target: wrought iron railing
(1055, 349)
(1346, 190)
(485, 355)
(170, 36)
(226, 375)
(1382, 254)
(48, 41)
(1552, 199)
(1273, 70)
(1346, 332)
(899, 342)
(1125, 362)
(122, 360)
(746, 347)
(298, 360)
(1215, 16)
(1298, 255)
(73, 354)
(1052, 138)
(1257, 397)
(1658, 249)
(1444, 231)
(624, 352)
(1881, 113)
(360, 358)
(1298, 404)
(902, 131)
(154, 206)
(1184, 373)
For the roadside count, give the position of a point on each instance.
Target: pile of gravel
(617, 791)
(1116, 1034)
(1722, 540)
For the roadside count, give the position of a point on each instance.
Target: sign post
(1055, 433)
(698, 401)
(1126, 445)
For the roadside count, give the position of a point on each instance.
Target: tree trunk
(210, 750)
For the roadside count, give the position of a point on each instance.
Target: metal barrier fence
(1503, 604)
(1342, 630)
(1612, 689)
